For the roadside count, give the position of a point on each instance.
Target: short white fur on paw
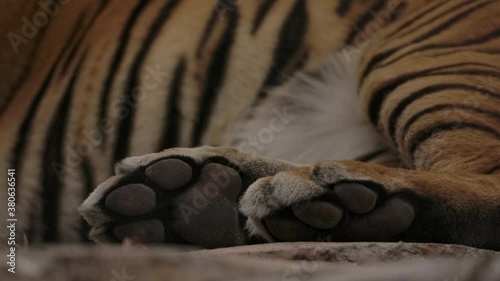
(258, 201)
(330, 172)
(129, 164)
(270, 194)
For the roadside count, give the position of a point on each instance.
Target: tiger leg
(442, 115)
(355, 201)
(180, 195)
(451, 196)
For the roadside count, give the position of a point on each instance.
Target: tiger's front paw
(324, 203)
(181, 196)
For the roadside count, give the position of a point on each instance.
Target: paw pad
(318, 214)
(356, 197)
(349, 211)
(131, 200)
(383, 223)
(169, 174)
(204, 212)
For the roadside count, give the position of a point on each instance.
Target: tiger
(234, 122)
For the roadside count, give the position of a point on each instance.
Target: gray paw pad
(383, 223)
(285, 227)
(131, 200)
(169, 174)
(206, 214)
(356, 197)
(354, 213)
(318, 214)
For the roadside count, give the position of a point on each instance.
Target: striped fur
(107, 79)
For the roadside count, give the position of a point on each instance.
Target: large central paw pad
(171, 200)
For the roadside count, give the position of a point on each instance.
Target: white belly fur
(314, 116)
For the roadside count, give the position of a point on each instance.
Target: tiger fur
(105, 80)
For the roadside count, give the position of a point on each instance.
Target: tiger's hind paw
(291, 206)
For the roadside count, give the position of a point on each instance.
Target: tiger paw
(182, 196)
(305, 205)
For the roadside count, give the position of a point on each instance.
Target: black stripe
(117, 60)
(173, 117)
(427, 134)
(442, 107)
(27, 69)
(125, 128)
(262, 12)
(363, 21)
(433, 32)
(53, 159)
(398, 11)
(22, 134)
(396, 114)
(23, 131)
(449, 23)
(343, 7)
(380, 95)
(467, 71)
(85, 31)
(445, 13)
(297, 63)
(457, 52)
(446, 53)
(490, 52)
(206, 34)
(30, 231)
(290, 42)
(370, 156)
(428, 91)
(216, 72)
(488, 37)
(493, 170)
(415, 18)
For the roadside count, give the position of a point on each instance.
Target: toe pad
(169, 174)
(318, 214)
(131, 200)
(356, 197)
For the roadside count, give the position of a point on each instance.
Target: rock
(326, 261)
(354, 253)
